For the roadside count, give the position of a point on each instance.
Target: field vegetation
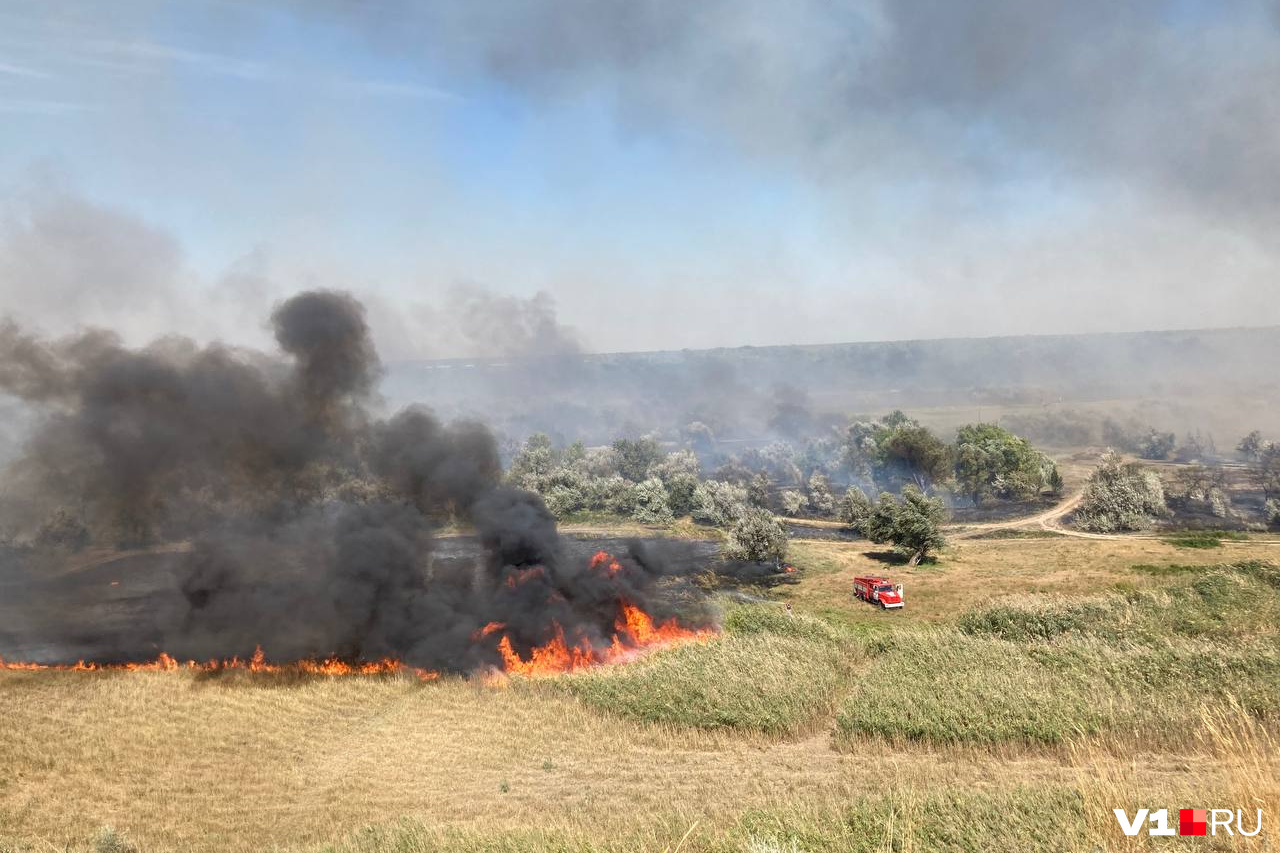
(971, 721)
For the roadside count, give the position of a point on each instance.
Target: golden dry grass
(179, 762)
(970, 572)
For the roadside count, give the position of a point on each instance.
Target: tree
(651, 503)
(679, 472)
(756, 536)
(894, 452)
(820, 497)
(855, 509)
(758, 491)
(1156, 445)
(1195, 448)
(1266, 471)
(1120, 496)
(563, 500)
(611, 494)
(918, 526)
(793, 502)
(63, 530)
(1054, 481)
(1195, 483)
(701, 439)
(911, 452)
(913, 524)
(881, 521)
(990, 461)
(1251, 446)
(718, 503)
(535, 460)
(1271, 512)
(634, 456)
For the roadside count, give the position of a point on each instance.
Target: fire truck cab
(878, 590)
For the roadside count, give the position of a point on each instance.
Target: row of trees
(986, 461)
(634, 477)
(1121, 496)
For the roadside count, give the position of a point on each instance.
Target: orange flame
(634, 631)
(258, 663)
(604, 558)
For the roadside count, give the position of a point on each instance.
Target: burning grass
(717, 746)
(256, 664)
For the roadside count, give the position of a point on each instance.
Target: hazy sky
(669, 174)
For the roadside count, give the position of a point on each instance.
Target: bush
(563, 501)
(856, 509)
(611, 494)
(650, 503)
(820, 496)
(63, 530)
(1120, 496)
(756, 536)
(793, 502)
(679, 472)
(535, 459)
(1156, 445)
(635, 456)
(718, 503)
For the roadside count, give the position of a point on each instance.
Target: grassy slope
(731, 740)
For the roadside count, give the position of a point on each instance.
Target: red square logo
(1193, 821)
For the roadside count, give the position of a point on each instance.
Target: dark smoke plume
(310, 522)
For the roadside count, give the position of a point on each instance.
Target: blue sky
(672, 179)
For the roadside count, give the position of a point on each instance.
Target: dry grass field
(822, 732)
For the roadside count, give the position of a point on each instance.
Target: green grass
(1045, 670)
(1172, 570)
(943, 687)
(768, 673)
(1222, 603)
(1025, 670)
(1019, 533)
(1204, 538)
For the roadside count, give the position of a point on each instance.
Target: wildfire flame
(258, 663)
(634, 631)
(604, 558)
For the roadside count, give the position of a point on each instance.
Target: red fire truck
(878, 590)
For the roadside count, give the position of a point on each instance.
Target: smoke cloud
(310, 521)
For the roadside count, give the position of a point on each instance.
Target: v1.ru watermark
(1190, 822)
